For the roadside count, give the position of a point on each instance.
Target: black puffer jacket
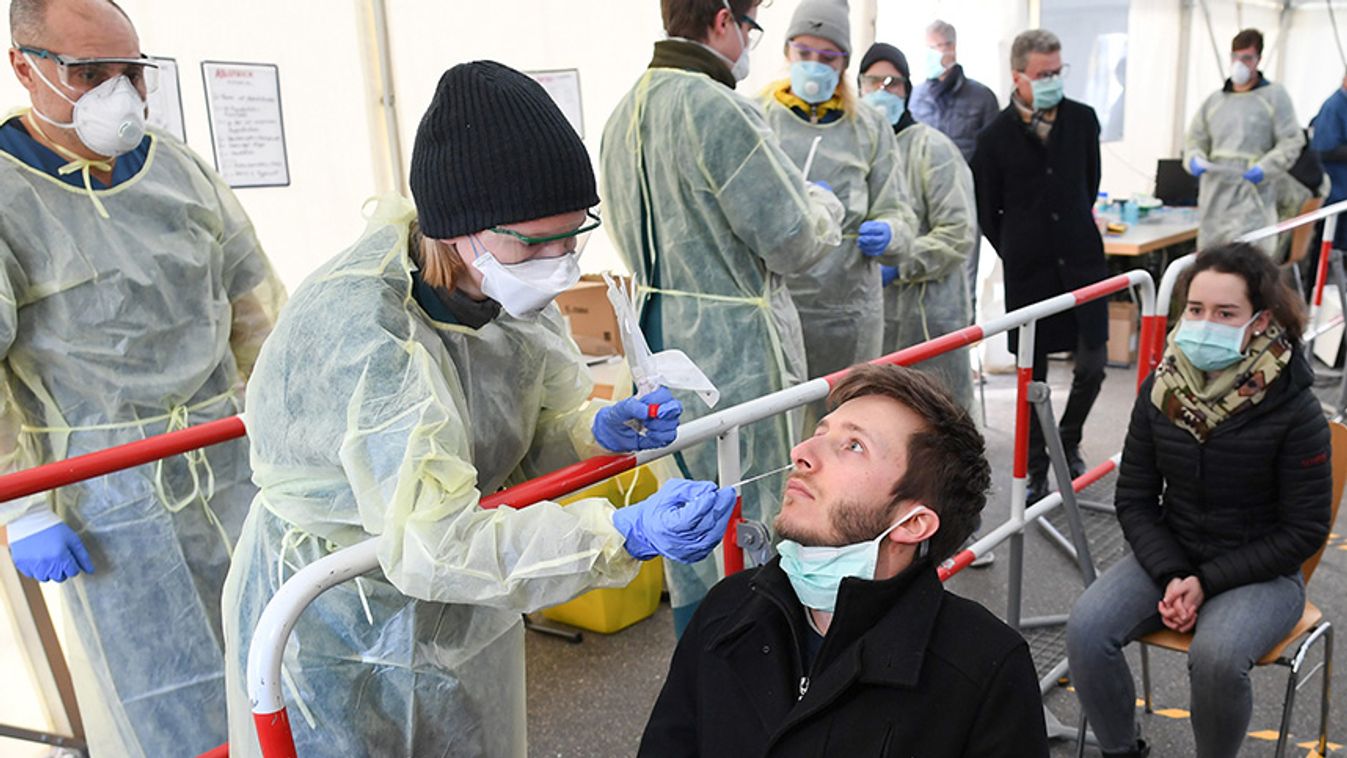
(1250, 504)
(905, 670)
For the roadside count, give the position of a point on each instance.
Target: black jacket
(1250, 504)
(1035, 205)
(906, 669)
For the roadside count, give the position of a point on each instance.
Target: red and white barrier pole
(71, 470)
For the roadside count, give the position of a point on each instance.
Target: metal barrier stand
(279, 616)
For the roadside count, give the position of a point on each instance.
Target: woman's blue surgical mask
(817, 572)
(888, 103)
(813, 82)
(1211, 346)
(1047, 93)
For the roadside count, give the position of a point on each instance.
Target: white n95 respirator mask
(109, 119)
(524, 289)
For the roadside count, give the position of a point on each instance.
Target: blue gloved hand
(644, 423)
(684, 521)
(875, 237)
(54, 554)
(824, 185)
(1254, 174)
(1197, 166)
(887, 274)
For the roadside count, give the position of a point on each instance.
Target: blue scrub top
(15, 140)
(1330, 131)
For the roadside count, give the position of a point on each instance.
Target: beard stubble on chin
(849, 521)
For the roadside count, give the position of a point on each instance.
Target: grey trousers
(1234, 629)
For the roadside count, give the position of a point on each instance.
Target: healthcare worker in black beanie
(424, 366)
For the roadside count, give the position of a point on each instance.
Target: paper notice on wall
(243, 103)
(564, 87)
(165, 103)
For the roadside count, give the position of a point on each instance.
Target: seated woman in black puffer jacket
(1224, 490)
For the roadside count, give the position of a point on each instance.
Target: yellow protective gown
(113, 330)
(839, 298)
(930, 296)
(1236, 131)
(369, 420)
(710, 215)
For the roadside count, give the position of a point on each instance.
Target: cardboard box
(1122, 333)
(590, 316)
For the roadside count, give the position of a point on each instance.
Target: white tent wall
(336, 144)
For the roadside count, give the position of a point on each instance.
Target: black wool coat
(1035, 204)
(1250, 504)
(906, 669)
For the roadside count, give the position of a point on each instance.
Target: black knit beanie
(494, 149)
(882, 51)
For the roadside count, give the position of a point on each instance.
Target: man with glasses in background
(134, 298)
(1036, 175)
(710, 215)
(1245, 135)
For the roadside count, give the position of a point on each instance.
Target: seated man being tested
(847, 644)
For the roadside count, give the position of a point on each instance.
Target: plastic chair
(1311, 627)
(1301, 237)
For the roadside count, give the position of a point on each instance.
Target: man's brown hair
(692, 18)
(947, 468)
(1248, 38)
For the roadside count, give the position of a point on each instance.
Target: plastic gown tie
(198, 464)
(83, 166)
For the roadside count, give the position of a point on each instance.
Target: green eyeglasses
(589, 226)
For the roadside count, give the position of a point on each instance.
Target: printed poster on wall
(243, 107)
(564, 87)
(165, 103)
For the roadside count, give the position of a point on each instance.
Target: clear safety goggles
(893, 84)
(84, 74)
(754, 30)
(573, 241)
(807, 53)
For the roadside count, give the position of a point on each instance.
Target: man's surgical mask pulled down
(524, 289)
(109, 119)
(816, 573)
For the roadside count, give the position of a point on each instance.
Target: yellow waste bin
(612, 610)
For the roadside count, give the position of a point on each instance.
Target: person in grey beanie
(419, 369)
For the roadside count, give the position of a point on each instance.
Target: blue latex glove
(54, 554)
(628, 426)
(684, 521)
(874, 238)
(824, 185)
(1254, 174)
(887, 274)
(1197, 166)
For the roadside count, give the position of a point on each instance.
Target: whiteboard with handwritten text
(243, 104)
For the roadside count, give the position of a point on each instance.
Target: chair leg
(1080, 735)
(1288, 706)
(1146, 676)
(1327, 697)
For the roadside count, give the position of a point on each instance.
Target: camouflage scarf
(1197, 404)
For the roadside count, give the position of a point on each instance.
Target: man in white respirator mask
(847, 644)
(1243, 137)
(134, 298)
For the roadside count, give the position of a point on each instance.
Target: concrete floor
(592, 699)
